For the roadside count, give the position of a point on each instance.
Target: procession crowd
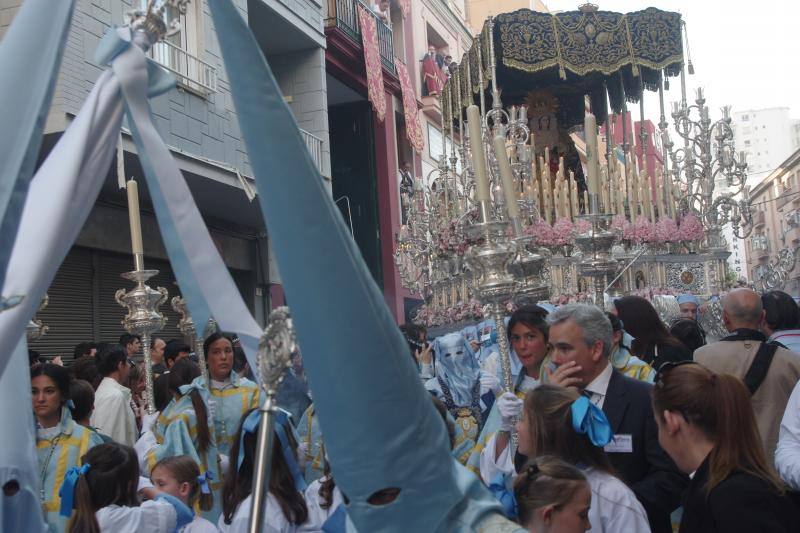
(603, 421)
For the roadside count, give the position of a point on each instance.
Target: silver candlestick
(597, 262)
(187, 327)
(274, 358)
(143, 318)
(494, 285)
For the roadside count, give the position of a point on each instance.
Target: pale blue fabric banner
(18, 462)
(29, 66)
(60, 198)
(379, 425)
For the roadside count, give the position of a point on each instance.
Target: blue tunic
(230, 403)
(175, 432)
(56, 454)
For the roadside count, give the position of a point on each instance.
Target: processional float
(546, 205)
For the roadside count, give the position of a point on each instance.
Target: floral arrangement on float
(431, 315)
(690, 229)
(572, 298)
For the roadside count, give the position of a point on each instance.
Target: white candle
(133, 216)
(573, 194)
(590, 132)
(660, 196)
(506, 176)
(478, 155)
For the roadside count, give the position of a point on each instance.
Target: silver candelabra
(189, 330)
(708, 159)
(143, 317)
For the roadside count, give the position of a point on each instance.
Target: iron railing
(344, 15)
(314, 145)
(191, 71)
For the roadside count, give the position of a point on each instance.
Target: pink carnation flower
(691, 229)
(564, 232)
(666, 230)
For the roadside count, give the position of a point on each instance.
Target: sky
(748, 58)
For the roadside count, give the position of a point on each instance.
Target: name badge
(620, 444)
(486, 340)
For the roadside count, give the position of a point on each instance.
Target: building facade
(776, 219)
(197, 121)
(768, 136)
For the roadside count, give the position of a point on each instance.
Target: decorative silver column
(143, 318)
(274, 357)
(596, 261)
(187, 327)
(494, 284)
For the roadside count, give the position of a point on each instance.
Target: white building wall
(768, 137)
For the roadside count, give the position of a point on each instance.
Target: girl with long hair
(552, 495)
(231, 395)
(706, 424)
(528, 334)
(60, 442)
(184, 428)
(562, 423)
(179, 476)
(652, 342)
(285, 510)
(103, 494)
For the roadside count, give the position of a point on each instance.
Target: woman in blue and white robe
(60, 442)
(230, 395)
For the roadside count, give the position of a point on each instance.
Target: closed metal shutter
(110, 313)
(69, 313)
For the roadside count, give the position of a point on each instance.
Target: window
(745, 118)
(180, 52)
(747, 143)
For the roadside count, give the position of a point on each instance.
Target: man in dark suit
(581, 339)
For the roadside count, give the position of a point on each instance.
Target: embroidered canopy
(571, 54)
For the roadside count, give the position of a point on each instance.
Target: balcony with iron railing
(343, 14)
(191, 72)
(759, 244)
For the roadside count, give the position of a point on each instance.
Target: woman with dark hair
(652, 342)
(689, 332)
(81, 394)
(561, 423)
(781, 317)
(231, 395)
(104, 495)
(527, 333)
(621, 357)
(285, 510)
(706, 424)
(183, 428)
(60, 442)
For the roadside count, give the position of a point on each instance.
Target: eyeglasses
(666, 367)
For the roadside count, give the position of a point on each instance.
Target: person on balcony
(432, 73)
(381, 10)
